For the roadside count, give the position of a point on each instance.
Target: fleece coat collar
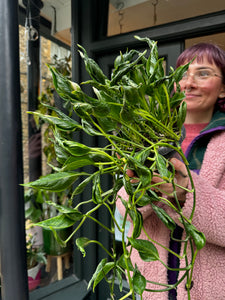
(196, 150)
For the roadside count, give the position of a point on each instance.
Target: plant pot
(34, 277)
(169, 152)
(51, 246)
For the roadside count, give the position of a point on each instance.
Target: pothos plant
(140, 115)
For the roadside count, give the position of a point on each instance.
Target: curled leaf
(137, 219)
(198, 237)
(81, 243)
(101, 271)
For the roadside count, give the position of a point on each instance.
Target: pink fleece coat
(209, 217)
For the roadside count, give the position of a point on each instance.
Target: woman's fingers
(180, 179)
(179, 167)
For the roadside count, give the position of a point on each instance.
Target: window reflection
(130, 15)
(44, 265)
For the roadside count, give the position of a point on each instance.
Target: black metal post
(32, 24)
(12, 232)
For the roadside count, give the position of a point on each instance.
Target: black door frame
(89, 19)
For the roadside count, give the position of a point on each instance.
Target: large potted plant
(141, 118)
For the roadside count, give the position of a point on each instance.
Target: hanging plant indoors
(141, 118)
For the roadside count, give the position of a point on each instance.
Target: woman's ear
(222, 95)
(222, 92)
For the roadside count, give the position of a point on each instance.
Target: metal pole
(12, 232)
(32, 24)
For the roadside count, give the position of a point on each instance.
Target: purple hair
(213, 53)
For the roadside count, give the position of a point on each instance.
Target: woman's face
(202, 86)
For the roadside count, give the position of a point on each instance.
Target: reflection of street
(34, 150)
(35, 145)
(35, 164)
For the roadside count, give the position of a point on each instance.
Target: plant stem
(169, 286)
(168, 102)
(100, 244)
(155, 242)
(99, 223)
(82, 221)
(125, 256)
(113, 217)
(127, 295)
(163, 128)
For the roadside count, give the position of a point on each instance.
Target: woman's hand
(181, 178)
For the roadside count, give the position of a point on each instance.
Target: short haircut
(212, 52)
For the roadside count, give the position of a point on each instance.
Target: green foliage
(35, 255)
(33, 205)
(146, 249)
(139, 282)
(139, 115)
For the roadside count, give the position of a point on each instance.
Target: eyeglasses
(200, 75)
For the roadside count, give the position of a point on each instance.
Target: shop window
(130, 15)
(218, 39)
(49, 52)
(59, 264)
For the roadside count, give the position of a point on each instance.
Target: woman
(204, 147)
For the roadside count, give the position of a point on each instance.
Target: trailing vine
(141, 117)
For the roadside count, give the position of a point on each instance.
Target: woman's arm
(209, 215)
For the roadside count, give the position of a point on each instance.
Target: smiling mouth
(188, 96)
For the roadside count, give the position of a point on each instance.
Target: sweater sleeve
(209, 215)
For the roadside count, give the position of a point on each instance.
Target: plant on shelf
(141, 118)
(35, 255)
(35, 259)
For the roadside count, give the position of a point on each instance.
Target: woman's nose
(190, 81)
